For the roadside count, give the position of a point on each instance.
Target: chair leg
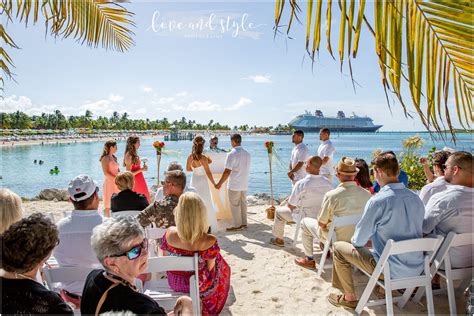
(451, 297)
(365, 295)
(323, 258)
(405, 298)
(297, 230)
(419, 295)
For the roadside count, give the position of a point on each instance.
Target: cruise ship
(309, 122)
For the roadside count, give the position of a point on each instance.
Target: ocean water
(21, 175)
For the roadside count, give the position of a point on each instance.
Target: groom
(237, 169)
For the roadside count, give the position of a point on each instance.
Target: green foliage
(410, 162)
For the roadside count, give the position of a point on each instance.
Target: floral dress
(213, 284)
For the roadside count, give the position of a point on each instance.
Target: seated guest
(126, 199)
(120, 245)
(26, 246)
(362, 178)
(10, 209)
(439, 183)
(313, 186)
(174, 165)
(189, 237)
(451, 210)
(347, 199)
(75, 233)
(160, 213)
(402, 177)
(394, 213)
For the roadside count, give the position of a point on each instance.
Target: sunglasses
(136, 251)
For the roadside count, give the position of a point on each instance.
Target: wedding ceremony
(196, 158)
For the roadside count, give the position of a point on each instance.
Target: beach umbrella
(270, 210)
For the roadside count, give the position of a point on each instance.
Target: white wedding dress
(200, 182)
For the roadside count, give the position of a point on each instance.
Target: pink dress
(109, 182)
(213, 285)
(140, 183)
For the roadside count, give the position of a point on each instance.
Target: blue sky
(252, 78)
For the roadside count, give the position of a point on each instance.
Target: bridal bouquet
(158, 146)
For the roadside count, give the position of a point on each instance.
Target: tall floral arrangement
(271, 210)
(159, 148)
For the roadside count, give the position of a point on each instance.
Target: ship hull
(369, 129)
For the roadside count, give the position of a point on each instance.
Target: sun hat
(82, 187)
(347, 166)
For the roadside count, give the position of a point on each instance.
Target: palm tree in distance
(94, 22)
(425, 45)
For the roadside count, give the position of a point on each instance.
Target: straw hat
(346, 166)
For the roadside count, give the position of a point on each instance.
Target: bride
(198, 163)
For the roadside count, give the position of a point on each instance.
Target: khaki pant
(346, 254)
(238, 207)
(310, 230)
(282, 215)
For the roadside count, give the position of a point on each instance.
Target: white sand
(265, 279)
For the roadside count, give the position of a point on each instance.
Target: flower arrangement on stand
(158, 147)
(270, 210)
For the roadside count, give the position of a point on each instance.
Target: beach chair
(337, 221)
(154, 233)
(160, 291)
(308, 202)
(447, 272)
(427, 245)
(125, 213)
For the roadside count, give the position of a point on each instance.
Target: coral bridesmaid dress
(109, 182)
(140, 184)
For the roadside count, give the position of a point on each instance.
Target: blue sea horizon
(27, 179)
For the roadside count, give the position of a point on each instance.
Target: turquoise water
(21, 175)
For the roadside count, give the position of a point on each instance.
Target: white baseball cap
(81, 188)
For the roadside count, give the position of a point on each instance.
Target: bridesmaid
(110, 167)
(131, 161)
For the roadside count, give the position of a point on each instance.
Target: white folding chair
(55, 275)
(160, 291)
(125, 213)
(309, 202)
(447, 272)
(154, 233)
(337, 221)
(429, 245)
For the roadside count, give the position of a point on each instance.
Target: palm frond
(429, 43)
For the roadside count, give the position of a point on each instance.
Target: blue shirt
(402, 178)
(394, 213)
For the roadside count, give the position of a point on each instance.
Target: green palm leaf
(429, 43)
(93, 22)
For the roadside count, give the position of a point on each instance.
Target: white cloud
(163, 101)
(147, 89)
(24, 104)
(115, 97)
(209, 106)
(181, 94)
(259, 78)
(199, 106)
(240, 104)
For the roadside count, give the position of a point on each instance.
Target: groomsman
(237, 169)
(326, 152)
(299, 154)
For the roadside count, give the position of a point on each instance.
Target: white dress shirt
(299, 154)
(326, 149)
(452, 211)
(74, 249)
(238, 161)
(438, 185)
(312, 187)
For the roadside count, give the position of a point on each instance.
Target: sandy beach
(264, 278)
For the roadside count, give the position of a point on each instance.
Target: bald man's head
(313, 164)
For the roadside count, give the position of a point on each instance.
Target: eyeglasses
(136, 251)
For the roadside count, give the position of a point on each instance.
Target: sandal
(339, 301)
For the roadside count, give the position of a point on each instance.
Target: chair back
(174, 263)
(125, 213)
(65, 274)
(155, 232)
